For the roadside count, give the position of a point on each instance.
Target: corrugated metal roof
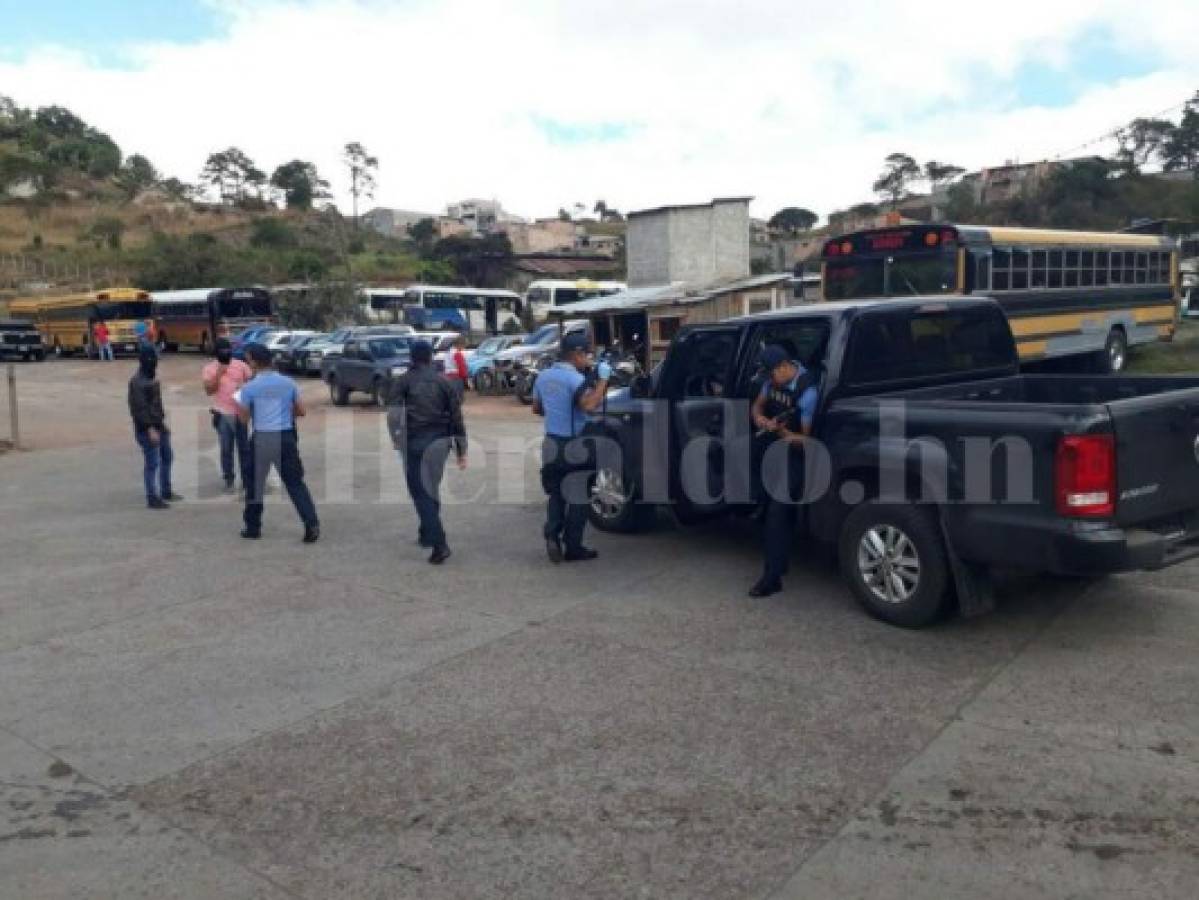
(676, 294)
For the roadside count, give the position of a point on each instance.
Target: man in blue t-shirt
(271, 402)
(561, 395)
(784, 409)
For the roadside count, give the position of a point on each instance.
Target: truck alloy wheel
(889, 564)
(894, 560)
(609, 496)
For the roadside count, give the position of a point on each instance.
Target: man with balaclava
(222, 378)
(150, 430)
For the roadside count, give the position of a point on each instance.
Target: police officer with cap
(783, 411)
(563, 396)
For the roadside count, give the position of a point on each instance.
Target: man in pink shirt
(223, 377)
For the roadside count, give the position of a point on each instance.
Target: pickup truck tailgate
(1157, 455)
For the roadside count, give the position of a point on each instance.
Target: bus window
(1020, 262)
(126, 309)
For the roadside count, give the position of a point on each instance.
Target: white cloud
(792, 103)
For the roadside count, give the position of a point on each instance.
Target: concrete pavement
(185, 714)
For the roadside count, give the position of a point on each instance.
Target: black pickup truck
(20, 338)
(935, 461)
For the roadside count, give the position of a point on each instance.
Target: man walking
(151, 432)
(425, 422)
(562, 396)
(103, 341)
(784, 409)
(272, 402)
(222, 378)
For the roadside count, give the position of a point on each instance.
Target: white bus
(434, 307)
(544, 295)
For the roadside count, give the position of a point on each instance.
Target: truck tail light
(1085, 475)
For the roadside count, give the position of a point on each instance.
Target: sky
(544, 104)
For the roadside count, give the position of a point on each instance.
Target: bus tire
(1115, 352)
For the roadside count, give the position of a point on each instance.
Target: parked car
(442, 342)
(288, 359)
(255, 334)
(278, 342)
(1110, 463)
(21, 338)
(314, 355)
(367, 363)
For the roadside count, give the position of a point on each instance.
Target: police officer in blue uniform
(782, 411)
(564, 397)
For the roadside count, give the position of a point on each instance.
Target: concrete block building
(700, 243)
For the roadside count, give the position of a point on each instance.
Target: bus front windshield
(891, 276)
(128, 309)
(253, 306)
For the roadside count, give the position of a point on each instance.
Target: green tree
(271, 233)
(300, 183)
(1142, 142)
(105, 231)
(1180, 150)
(307, 265)
(793, 219)
(178, 190)
(136, 175)
(899, 171)
(937, 174)
(424, 234)
(479, 261)
(362, 168)
(230, 172)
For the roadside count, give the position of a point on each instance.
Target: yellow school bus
(67, 322)
(1066, 293)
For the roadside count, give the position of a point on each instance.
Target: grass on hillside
(1180, 356)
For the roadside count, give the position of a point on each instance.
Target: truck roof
(843, 306)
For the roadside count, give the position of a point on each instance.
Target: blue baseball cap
(772, 357)
(574, 342)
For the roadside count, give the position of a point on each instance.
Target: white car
(443, 344)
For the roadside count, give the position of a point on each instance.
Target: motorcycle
(525, 377)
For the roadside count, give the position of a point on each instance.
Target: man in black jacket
(150, 430)
(425, 422)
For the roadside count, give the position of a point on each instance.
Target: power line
(1115, 132)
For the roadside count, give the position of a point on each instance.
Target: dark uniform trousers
(425, 455)
(778, 525)
(566, 508)
(280, 449)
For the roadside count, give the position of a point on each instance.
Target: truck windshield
(933, 341)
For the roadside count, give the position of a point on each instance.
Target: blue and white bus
(435, 307)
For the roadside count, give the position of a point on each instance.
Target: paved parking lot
(185, 714)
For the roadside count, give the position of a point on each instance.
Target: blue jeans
(158, 459)
(233, 434)
(106, 352)
(424, 467)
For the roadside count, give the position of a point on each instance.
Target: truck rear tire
(894, 561)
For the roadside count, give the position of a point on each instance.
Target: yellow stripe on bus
(1032, 348)
(1066, 322)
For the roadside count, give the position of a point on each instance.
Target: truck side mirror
(641, 387)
